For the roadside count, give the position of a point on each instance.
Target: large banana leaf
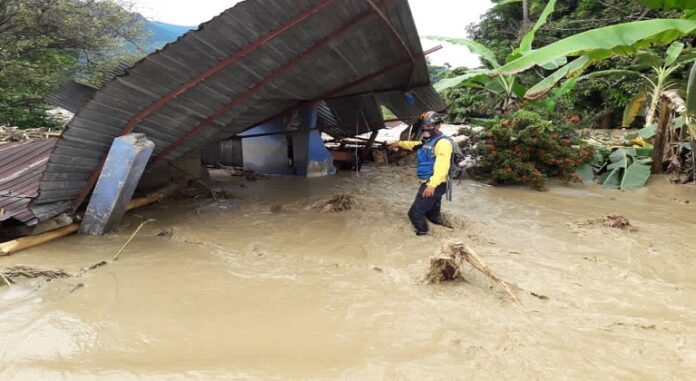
(612, 179)
(691, 93)
(669, 4)
(636, 175)
(572, 70)
(626, 170)
(543, 87)
(526, 43)
(474, 47)
(633, 108)
(556, 64)
(602, 43)
(673, 52)
(586, 173)
(447, 83)
(621, 158)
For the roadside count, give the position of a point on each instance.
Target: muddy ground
(260, 286)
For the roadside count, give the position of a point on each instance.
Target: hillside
(163, 33)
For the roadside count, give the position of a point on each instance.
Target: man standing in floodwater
(434, 153)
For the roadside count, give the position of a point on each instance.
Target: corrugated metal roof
(21, 166)
(326, 117)
(71, 96)
(360, 114)
(424, 99)
(355, 115)
(249, 64)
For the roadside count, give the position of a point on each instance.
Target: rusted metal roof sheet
(21, 166)
(257, 60)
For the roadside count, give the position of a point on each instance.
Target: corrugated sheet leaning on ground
(21, 166)
(255, 61)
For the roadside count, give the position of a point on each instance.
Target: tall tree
(46, 42)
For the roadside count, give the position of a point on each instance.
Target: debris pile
(14, 134)
(338, 203)
(447, 266)
(240, 172)
(617, 221)
(10, 274)
(166, 233)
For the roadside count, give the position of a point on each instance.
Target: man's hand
(393, 145)
(428, 192)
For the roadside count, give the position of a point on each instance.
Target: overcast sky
(433, 17)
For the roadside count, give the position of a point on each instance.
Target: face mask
(428, 134)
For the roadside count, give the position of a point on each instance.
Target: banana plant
(503, 86)
(627, 170)
(662, 68)
(593, 46)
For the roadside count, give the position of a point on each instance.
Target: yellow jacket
(443, 159)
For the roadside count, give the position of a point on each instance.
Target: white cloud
(448, 18)
(433, 17)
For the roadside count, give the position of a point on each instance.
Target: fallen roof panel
(254, 61)
(21, 166)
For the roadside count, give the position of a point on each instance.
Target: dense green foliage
(44, 43)
(602, 99)
(623, 54)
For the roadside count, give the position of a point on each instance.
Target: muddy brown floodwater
(262, 287)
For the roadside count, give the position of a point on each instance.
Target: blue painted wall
(312, 159)
(267, 154)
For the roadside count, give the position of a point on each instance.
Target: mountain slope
(163, 33)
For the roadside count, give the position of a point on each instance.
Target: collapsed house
(267, 77)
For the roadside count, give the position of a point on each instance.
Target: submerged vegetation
(545, 84)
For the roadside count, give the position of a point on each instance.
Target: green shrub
(526, 149)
